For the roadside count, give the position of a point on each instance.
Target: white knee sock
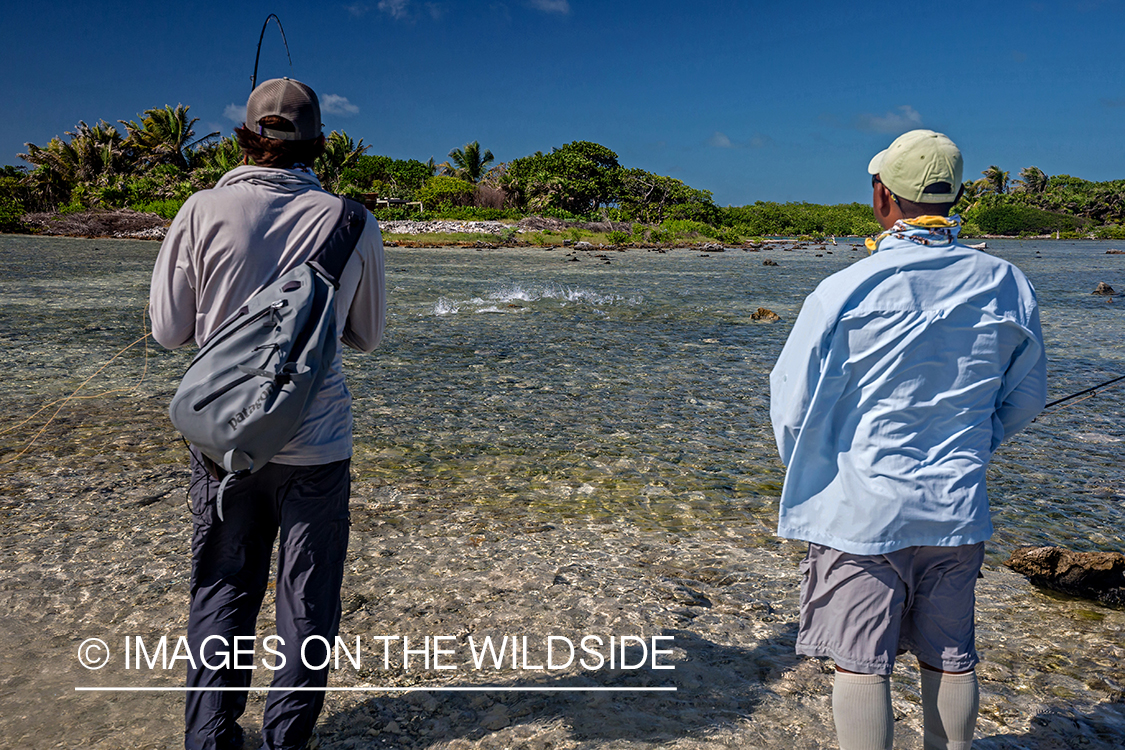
(949, 709)
(861, 706)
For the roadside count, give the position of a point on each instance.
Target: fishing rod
(254, 78)
(1091, 390)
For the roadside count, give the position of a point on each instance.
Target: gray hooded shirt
(228, 242)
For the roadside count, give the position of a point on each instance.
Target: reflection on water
(521, 379)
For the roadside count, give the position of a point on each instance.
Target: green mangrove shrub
(441, 192)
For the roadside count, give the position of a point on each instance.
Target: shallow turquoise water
(528, 382)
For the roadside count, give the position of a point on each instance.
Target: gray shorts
(863, 610)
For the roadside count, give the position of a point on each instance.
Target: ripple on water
(632, 394)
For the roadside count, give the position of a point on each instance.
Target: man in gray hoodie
(256, 224)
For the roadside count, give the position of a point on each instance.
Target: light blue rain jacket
(901, 376)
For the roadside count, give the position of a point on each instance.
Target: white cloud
(397, 9)
(334, 104)
(551, 6)
(404, 10)
(235, 113)
(760, 141)
(719, 140)
(357, 9)
(905, 118)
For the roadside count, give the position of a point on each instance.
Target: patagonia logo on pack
(267, 390)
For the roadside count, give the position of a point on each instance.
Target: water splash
(445, 306)
(515, 296)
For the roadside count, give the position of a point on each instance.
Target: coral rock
(767, 315)
(1092, 575)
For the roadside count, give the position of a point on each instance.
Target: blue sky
(753, 101)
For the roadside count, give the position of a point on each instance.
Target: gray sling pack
(247, 391)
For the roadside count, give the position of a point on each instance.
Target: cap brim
(876, 165)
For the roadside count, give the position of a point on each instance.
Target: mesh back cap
(289, 99)
(921, 166)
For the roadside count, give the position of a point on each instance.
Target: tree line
(1037, 203)
(153, 164)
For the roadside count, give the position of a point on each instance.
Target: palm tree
(165, 136)
(971, 195)
(340, 152)
(469, 163)
(1032, 180)
(92, 155)
(997, 179)
(212, 161)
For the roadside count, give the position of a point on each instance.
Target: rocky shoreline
(528, 224)
(120, 224)
(128, 224)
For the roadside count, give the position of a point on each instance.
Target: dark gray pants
(230, 563)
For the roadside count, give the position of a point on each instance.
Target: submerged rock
(1092, 575)
(768, 316)
(1103, 288)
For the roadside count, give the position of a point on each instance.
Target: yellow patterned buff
(942, 231)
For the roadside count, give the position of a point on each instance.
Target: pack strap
(222, 488)
(230, 476)
(333, 255)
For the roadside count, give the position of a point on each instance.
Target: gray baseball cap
(289, 99)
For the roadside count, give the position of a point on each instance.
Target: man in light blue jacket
(902, 375)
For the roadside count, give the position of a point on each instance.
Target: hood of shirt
(297, 179)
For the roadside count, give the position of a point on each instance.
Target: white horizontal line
(388, 689)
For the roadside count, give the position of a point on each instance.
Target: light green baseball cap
(921, 166)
